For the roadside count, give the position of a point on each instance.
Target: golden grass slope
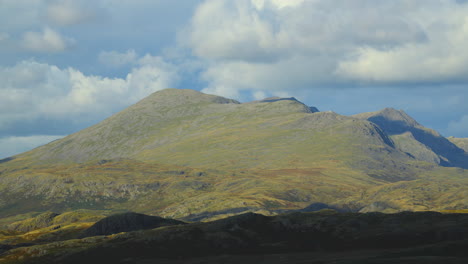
(460, 142)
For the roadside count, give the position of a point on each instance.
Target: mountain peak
(389, 114)
(395, 114)
(274, 99)
(173, 97)
(396, 123)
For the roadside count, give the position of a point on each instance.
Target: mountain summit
(166, 123)
(391, 120)
(190, 155)
(418, 141)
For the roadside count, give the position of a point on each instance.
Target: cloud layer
(253, 45)
(32, 90)
(68, 12)
(46, 41)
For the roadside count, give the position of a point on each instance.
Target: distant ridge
(391, 120)
(173, 97)
(418, 141)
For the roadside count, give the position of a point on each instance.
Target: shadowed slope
(397, 122)
(331, 237)
(127, 222)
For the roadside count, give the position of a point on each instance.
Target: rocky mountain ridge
(420, 142)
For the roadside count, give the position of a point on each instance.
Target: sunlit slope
(460, 142)
(174, 191)
(132, 130)
(188, 128)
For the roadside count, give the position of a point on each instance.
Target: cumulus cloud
(281, 46)
(33, 90)
(46, 41)
(282, 77)
(231, 30)
(117, 59)
(278, 3)
(442, 58)
(68, 12)
(15, 145)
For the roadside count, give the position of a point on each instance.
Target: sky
(69, 64)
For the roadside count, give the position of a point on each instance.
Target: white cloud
(46, 41)
(117, 59)
(153, 74)
(237, 30)
(32, 90)
(260, 4)
(231, 30)
(443, 58)
(274, 46)
(285, 76)
(15, 145)
(68, 12)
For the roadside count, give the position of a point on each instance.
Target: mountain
(188, 155)
(460, 142)
(173, 126)
(418, 141)
(188, 128)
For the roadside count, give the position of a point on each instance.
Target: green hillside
(184, 154)
(188, 128)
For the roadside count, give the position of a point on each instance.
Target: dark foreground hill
(126, 222)
(188, 155)
(320, 237)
